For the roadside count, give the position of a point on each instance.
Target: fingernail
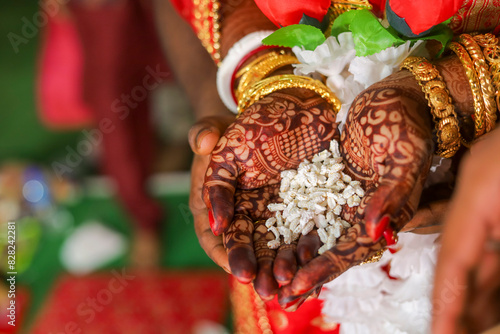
(294, 304)
(200, 136)
(390, 239)
(376, 232)
(211, 220)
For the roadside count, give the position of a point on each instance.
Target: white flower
(346, 74)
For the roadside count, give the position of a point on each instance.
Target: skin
(244, 173)
(467, 286)
(395, 196)
(196, 74)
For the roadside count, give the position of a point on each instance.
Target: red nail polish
(379, 228)
(390, 239)
(211, 219)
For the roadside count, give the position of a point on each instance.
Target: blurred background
(85, 261)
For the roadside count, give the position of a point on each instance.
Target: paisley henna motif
(387, 146)
(274, 134)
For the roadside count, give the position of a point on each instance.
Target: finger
(396, 187)
(265, 284)
(482, 309)
(460, 252)
(351, 249)
(219, 199)
(219, 187)
(307, 247)
(428, 218)
(211, 244)
(240, 250)
(285, 264)
(290, 302)
(205, 133)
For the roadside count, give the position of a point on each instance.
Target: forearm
(191, 64)
(239, 21)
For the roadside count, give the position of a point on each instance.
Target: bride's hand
(274, 134)
(387, 145)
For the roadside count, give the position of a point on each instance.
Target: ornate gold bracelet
(439, 100)
(279, 82)
(484, 79)
(491, 52)
(261, 68)
(470, 73)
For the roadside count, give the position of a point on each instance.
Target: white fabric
(364, 300)
(226, 69)
(91, 246)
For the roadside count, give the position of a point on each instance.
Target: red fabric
(285, 13)
(59, 85)
(378, 7)
(21, 302)
(423, 15)
(121, 52)
(253, 316)
(152, 303)
(307, 319)
(184, 8)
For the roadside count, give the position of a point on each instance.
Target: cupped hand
(274, 134)
(387, 145)
(203, 137)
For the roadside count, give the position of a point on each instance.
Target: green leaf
(368, 33)
(296, 35)
(311, 21)
(441, 33)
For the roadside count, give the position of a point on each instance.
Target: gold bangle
(484, 79)
(279, 82)
(262, 68)
(470, 73)
(439, 100)
(491, 52)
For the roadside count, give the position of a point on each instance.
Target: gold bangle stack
(484, 77)
(439, 100)
(491, 52)
(279, 82)
(470, 72)
(261, 68)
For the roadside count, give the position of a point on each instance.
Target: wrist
(241, 21)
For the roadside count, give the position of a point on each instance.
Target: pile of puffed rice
(313, 196)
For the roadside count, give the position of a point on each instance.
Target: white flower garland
(346, 74)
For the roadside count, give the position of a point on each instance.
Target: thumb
(204, 134)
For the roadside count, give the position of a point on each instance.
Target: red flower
(422, 15)
(285, 13)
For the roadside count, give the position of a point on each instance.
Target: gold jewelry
(484, 79)
(207, 26)
(375, 257)
(491, 52)
(279, 82)
(471, 75)
(439, 100)
(261, 69)
(257, 60)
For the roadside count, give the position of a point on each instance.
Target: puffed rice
(313, 196)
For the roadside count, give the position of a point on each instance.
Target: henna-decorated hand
(387, 145)
(203, 137)
(273, 135)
